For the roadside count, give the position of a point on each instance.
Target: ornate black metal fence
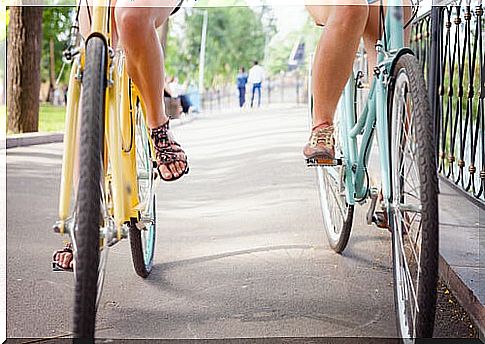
(450, 43)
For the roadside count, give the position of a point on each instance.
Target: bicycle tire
(142, 241)
(89, 194)
(413, 322)
(141, 253)
(338, 233)
(337, 230)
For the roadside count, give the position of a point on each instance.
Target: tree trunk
(24, 44)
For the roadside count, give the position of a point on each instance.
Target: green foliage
(235, 38)
(3, 119)
(281, 46)
(56, 23)
(4, 17)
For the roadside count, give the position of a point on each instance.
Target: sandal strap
(167, 149)
(67, 248)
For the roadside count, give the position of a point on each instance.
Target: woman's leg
(332, 65)
(137, 21)
(143, 55)
(371, 32)
(343, 27)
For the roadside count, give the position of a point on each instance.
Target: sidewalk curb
(31, 139)
(21, 140)
(468, 300)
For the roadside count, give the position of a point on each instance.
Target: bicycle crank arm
(374, 194)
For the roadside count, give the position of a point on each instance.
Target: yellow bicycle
(108, 169)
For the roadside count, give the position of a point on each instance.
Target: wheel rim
(145, 186)
(406, 208)
(332, 200)
(331, 189)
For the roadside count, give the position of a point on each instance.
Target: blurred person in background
(255, 78)
(242, 80)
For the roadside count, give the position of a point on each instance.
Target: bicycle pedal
(313, 162)
(380, 220)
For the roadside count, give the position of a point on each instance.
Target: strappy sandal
(55, 262)
(168, 151)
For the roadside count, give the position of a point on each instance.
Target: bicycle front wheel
(414, 203)
(89, 195)
(142, 239)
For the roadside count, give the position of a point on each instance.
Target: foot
(63, 259)
(171, 159)
(321, 143)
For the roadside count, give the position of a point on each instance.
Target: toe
(63, 260)
(173, 169)
(180, 167)
(166, 174)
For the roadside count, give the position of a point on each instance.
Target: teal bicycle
(398, 112)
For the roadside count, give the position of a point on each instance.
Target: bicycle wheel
(336, 212)
(142, 239)
(414, 203)
(89, 195)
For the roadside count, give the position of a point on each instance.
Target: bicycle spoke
(409, 235)
(407, 271)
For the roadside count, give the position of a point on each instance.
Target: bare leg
(371, 33)
(343, 28)
(135, 26)
(144, 58)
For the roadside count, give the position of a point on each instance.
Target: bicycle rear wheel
(414, 203)
(336, 212)
(89, 195)
(142, 239)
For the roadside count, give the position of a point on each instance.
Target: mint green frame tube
(374, 115)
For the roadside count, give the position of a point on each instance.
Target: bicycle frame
(374, 115)
(120, 172)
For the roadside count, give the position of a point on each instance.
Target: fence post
(282, 87)
(269, 90)
(434, 68)
(298, 87)
(219, 98)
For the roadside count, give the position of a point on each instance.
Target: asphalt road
(241, 249)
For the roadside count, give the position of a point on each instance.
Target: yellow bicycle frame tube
(68, 158)
(120, 146)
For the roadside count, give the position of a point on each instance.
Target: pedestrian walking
(242, 80)
(256, 76)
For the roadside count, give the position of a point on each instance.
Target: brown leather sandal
(168, 151)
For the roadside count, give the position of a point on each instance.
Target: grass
(51, 118)
(3, 119)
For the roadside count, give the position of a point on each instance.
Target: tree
(281, 46)
(235, 37)
(56, 23)
(23, 69)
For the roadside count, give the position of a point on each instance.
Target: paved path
(241, 251)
